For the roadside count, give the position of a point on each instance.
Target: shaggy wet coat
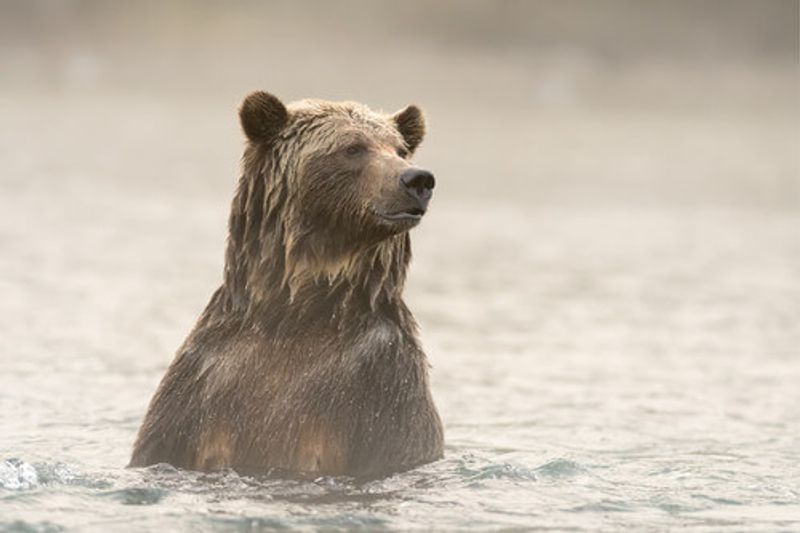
(306, 359)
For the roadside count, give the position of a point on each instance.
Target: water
(608, 283)
(596, 368)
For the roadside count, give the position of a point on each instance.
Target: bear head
(329, 186)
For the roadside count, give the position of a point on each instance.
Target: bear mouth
(408, 215)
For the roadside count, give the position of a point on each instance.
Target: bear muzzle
(417, 189)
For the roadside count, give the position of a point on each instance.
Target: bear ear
(263, 116)
(411, 125)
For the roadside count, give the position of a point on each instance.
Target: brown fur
(306, 358)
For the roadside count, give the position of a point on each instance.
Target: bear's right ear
(263, 116)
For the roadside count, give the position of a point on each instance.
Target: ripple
(251, 524)
(470, 468)
(20, 526)
(605, 506)
(138, 495)
(18, 475)
(560, 468)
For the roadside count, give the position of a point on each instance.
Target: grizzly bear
(306, 360)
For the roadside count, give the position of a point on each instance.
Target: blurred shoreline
(540, 103)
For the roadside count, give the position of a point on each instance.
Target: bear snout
(419, 184)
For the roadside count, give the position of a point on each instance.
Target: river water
(596, 368)
(608, 281)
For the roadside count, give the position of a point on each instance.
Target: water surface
(595, 369)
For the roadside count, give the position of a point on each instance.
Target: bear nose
(419, 183)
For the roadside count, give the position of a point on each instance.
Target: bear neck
(273, 287)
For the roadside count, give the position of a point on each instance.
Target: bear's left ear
(411, 125)
(263, 116)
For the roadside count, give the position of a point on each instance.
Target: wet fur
(306, 359)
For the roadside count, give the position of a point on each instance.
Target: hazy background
(608, 282)
(544, 102)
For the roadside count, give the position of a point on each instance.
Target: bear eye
(402, 152)
(356, 149)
